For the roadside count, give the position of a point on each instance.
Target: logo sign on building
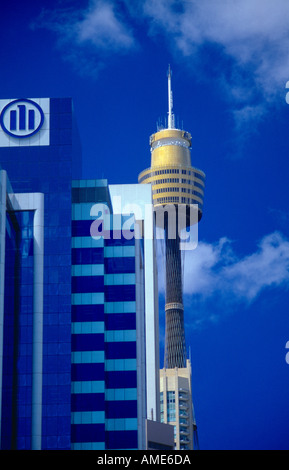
(24, 122)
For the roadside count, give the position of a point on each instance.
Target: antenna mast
(171, 119)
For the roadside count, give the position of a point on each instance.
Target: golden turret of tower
(171, 174)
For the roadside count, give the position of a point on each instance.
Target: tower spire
(171, 119)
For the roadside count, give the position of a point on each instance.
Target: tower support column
(175, 346)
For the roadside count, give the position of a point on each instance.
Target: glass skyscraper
(108, 328)
(36, 398)
(78, 311)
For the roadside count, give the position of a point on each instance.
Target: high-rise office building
(177, 188)
(136, 198)
(78, 312)
(110, 317)
(39, 148)
(177, 405)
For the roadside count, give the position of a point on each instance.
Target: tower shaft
(175, 346)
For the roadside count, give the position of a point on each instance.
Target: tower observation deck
(177, 184)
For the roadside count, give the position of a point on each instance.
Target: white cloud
(214, 270)
(87, 36)
(252, 34)
(103, 27)
(268, 267)
(240, 44)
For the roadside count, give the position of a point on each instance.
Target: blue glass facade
(72, 315)
(18, 304)
(105, 412)
(46, 169)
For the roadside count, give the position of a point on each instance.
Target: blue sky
(230, 67)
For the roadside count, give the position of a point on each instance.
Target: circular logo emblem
(21, 118)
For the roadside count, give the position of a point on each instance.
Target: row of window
(104, 230)
(186, 200)
(97, 342)
(183, 200)
(193, 182)
(120, 364)
(97, 357)
(121, 424)
(172, 171)
(95, 284)
(163, 200)
(88, 386)
(98, 417)
(117, 260)
(96, 194)
(78, 328)
(120, 279)
(90, 310)
(119, 252)
(87, 298)
(87, 270)
(168, 180)
(120, 394)
(120, 307)
(179, 180)
(98, 386)
(120, 335)
(88, 446)
(176, 190)
(87, 242)
(87, 417)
